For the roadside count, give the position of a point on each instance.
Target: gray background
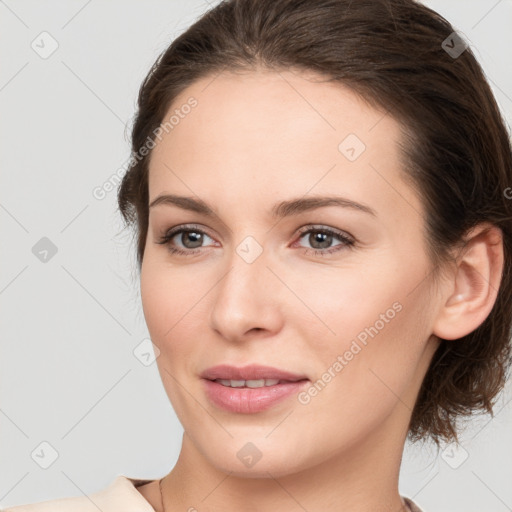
(68, 373)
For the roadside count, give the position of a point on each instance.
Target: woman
(324, 244)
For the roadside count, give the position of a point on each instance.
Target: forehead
(272, 111)
(265, 133)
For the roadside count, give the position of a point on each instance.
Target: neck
(363, 478)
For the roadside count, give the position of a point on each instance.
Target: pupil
(323, 238)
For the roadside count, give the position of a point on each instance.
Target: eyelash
(347, 242)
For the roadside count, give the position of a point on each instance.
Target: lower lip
(250, 400)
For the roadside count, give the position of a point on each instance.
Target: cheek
(176, 305)
(372, 313)
(168, 299)
(168, 303)
(156, 300)
(381, 328)
(341, 303)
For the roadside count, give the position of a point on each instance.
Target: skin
(253, 140)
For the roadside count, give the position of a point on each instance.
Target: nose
(246, 301)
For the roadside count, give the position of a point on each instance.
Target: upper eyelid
(322, 227)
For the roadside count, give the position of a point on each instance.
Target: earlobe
(472, 291)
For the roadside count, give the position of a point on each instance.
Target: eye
(321, 238)
(190, 237)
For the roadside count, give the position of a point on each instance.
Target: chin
(262, 469)
(260, 458)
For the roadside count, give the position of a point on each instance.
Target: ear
(474, 283)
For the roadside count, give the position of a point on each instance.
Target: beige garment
(120, 496)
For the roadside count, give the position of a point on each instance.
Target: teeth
(248, 383)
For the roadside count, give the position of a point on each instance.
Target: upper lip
(250, 372)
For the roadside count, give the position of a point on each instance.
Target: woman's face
(260, 282)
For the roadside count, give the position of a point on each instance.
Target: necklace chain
(161, 493)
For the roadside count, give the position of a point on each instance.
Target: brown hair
(456, 150)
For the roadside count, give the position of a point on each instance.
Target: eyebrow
(279, 210)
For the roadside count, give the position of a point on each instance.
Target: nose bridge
(243, 300)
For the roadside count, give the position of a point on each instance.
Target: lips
(246, 400)
(250, 372)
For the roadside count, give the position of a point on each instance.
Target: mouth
(250, 389)
(257, 383)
